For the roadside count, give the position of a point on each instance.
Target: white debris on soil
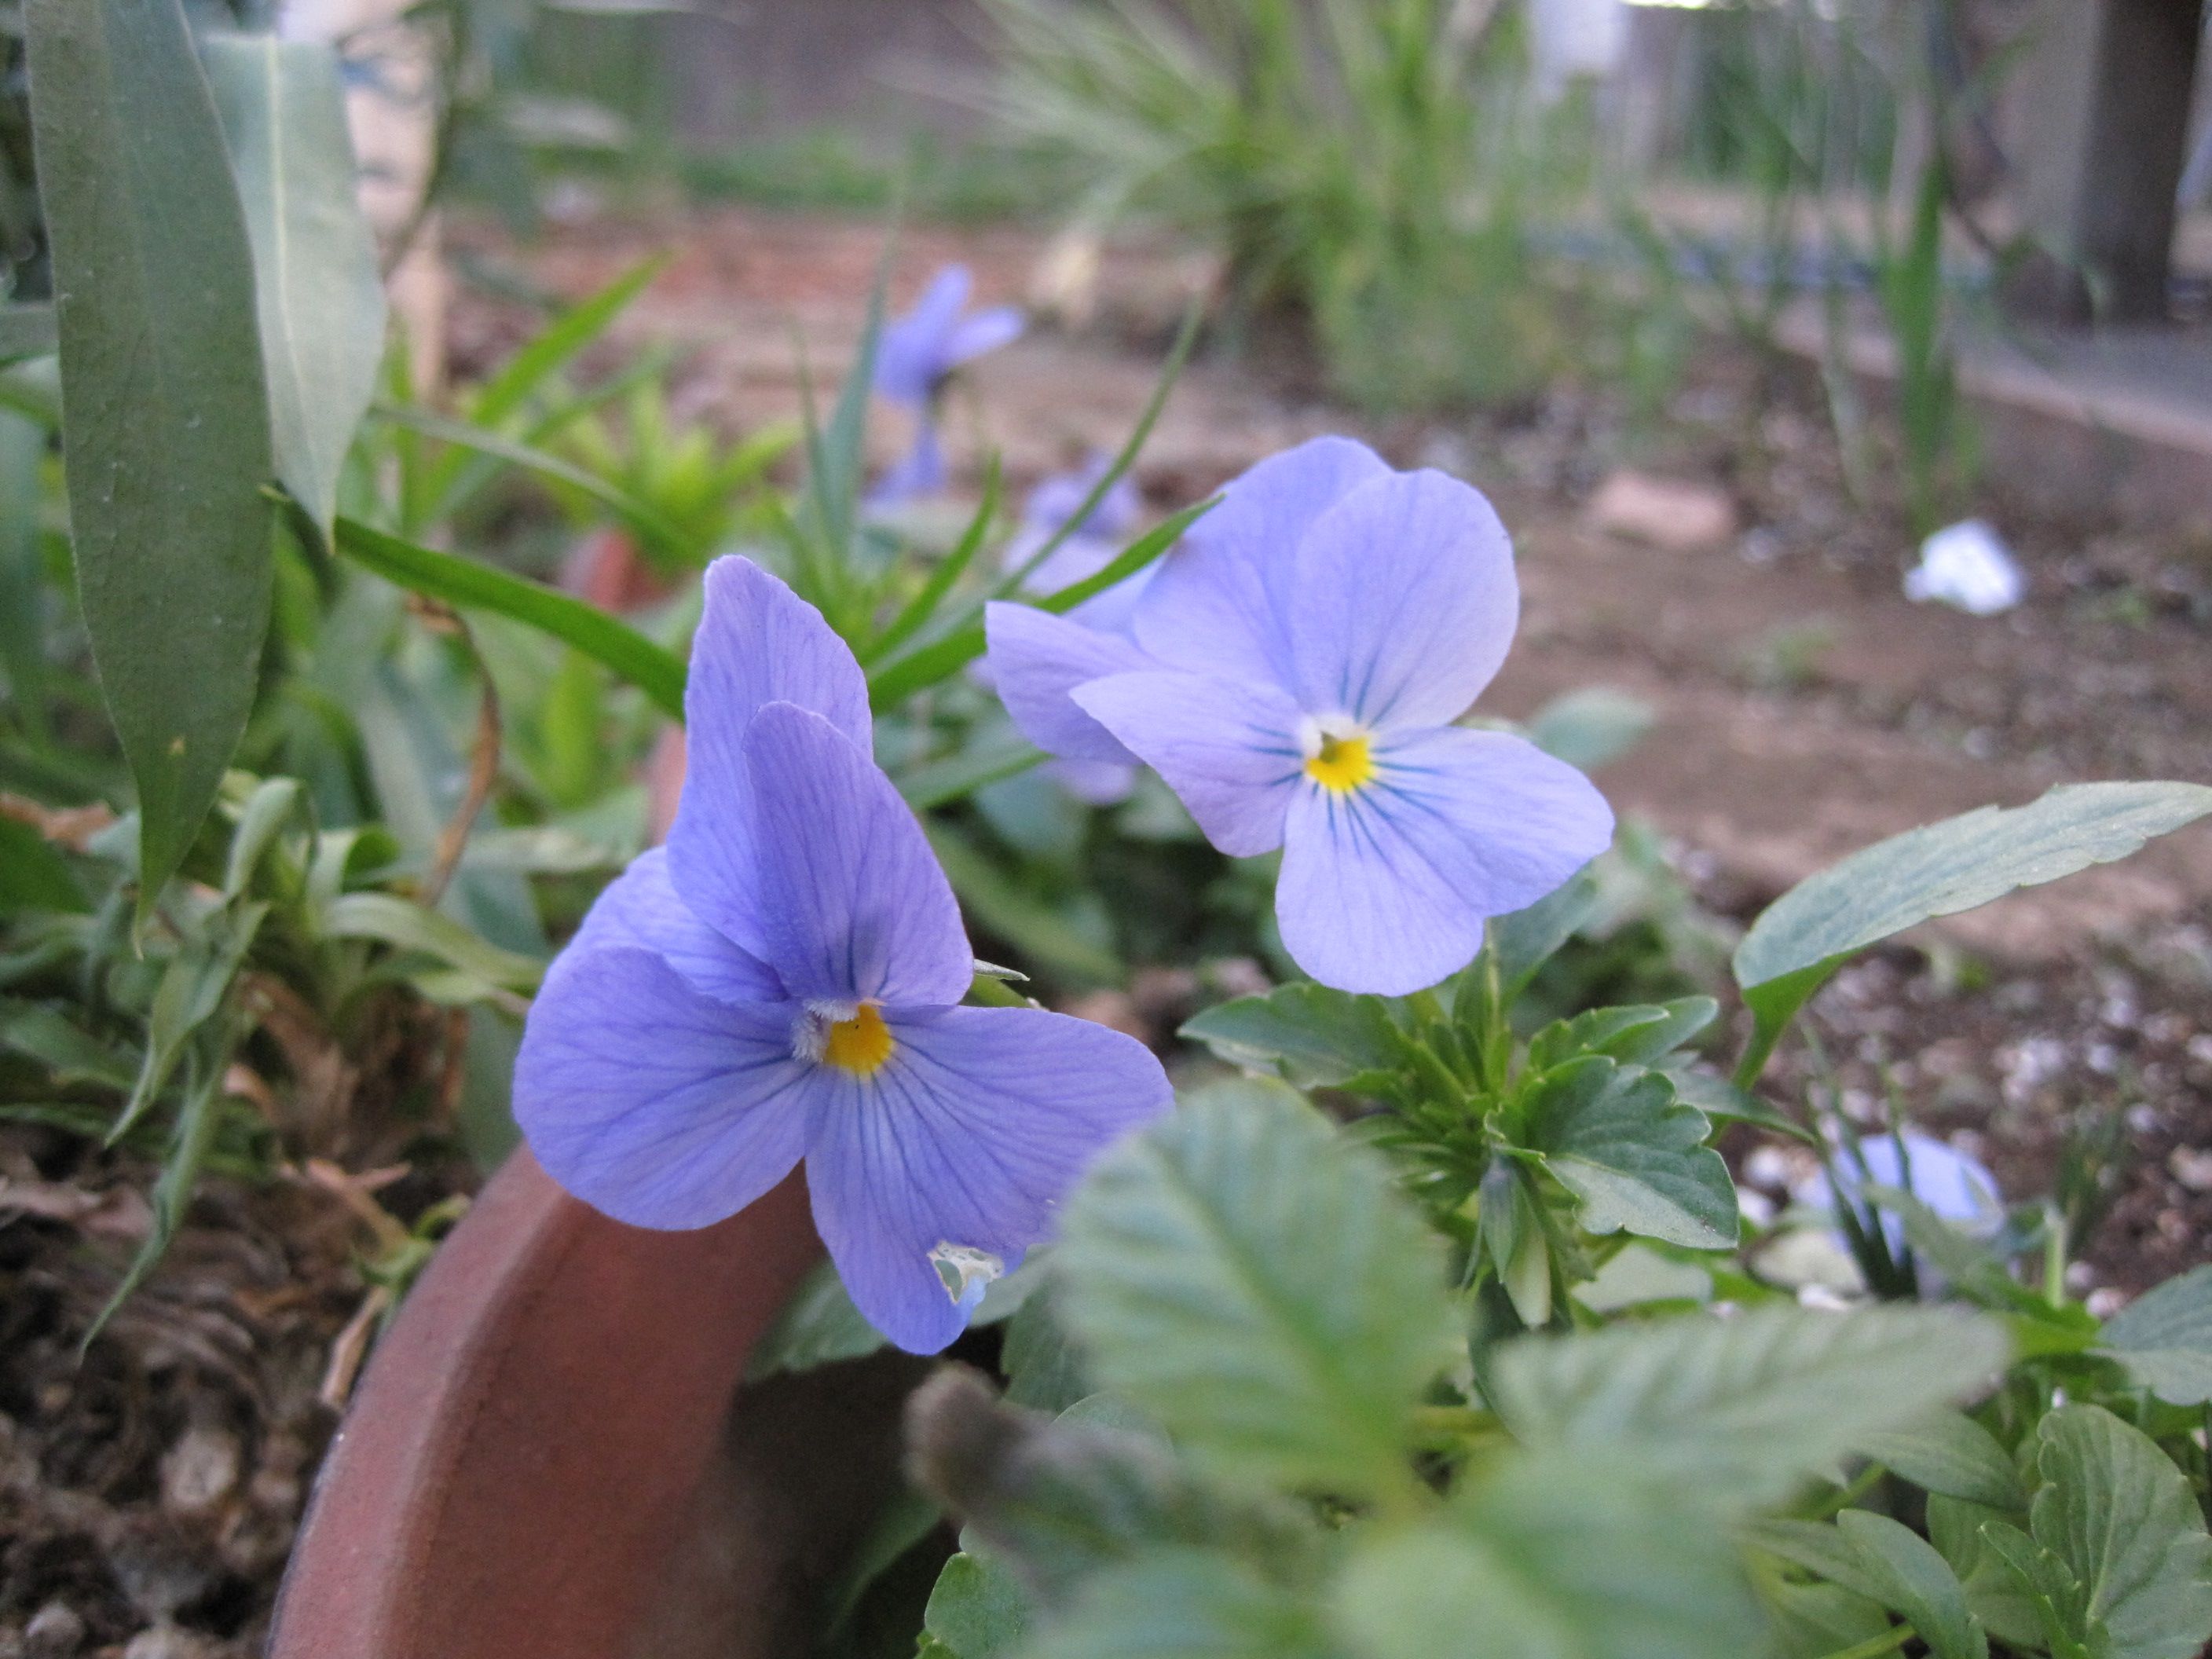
(1967, 566)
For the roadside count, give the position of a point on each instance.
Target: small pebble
(56, 1632)
(2191, 1167)
(200, 1470)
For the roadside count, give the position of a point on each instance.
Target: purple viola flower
(915, 355)
(1088, 548)
(919, 351)
(779, 985)
(1293, 672)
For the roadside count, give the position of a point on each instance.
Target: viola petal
(651, 1103)
(1403, 601)
(1215, 607)
(1385, 888)
(758, 643)
(1229, 750)
(641, 909)
(1038, 658)
(852, 905)
(968, 1135)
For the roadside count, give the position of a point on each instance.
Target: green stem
(2054, 1256)
(1866, 1480)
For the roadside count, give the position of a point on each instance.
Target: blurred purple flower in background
(1293, 672)
(780, 984)
(915, 357)
(1956, 1188)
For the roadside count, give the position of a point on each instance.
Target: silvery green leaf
(2164, 1338)
(1750, 1403)
(978, 1610)
(1632, 1152)
(1812, 1621)
(1251, 1278)
(1940, 870)
(319, 295)
(2123, 1520)
(1993, 1593)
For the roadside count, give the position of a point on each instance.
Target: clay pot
(550, 1453)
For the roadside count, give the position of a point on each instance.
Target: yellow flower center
(860, 1045)
(1341, 763)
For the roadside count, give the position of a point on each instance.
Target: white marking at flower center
(810, 1032)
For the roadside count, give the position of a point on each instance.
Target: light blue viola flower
(1957, 1188)
(915, 355)
(1294, 673)
(780, 985)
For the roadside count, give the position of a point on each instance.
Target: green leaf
(260, 817)
(1815, 1621)
(1560, 1556)
(1635, 1035)
(1044, 1370)
(1511, 1230)
(2123, 1520)
(181, 1171)
(654, 525)
(1992, 1591)
(817, 1326)
(1253, 1280)
(396, 921)
(33, 875)
(558, 345)
(2056, 1598)
(1821, 1549)
(1321, 1037)
(1948, 1452)
(1185, 1605)
(1938, 870)
(27, 330)
(1633, 1153)
(69, 1053)
(1591, 728)
(1750, 1402)
(23, 574)
(978, 1610)
(469, 584)
(193, 989)
(317, 287)
(1918, 1583)
(2164, 1338)
(1527, 938)
(168, 447)
(1049, 937)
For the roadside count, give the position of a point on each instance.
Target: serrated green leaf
(2164, 1338)
(1253, 1280)
(1632, 1152)
(319, 295)
(2123, 1520)
(2052, 1593)
(1641, 1035)
(1322, 1037)
(1748, 1403)
(1558, 1556)
(1185, 1605)
(1947, 1452)
(1918, 1583)
(1940, 870)
(167, 449)
(978, 1610)
(1993, 1593)
(1821, 1549)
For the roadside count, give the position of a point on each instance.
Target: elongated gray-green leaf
(319, 298)
(167, 424)
(1940, 870)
